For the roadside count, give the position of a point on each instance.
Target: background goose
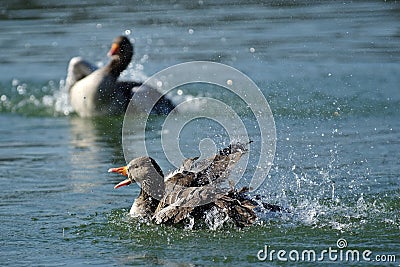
(97, 92)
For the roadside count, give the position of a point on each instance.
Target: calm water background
(330, 71)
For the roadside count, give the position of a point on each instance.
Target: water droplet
(144, 59)
(252, 50)
(179, 92)
(128, 32)
(191, 31)
(21, 89)
(159, 83)
(15, 82)
(229, 82)
(99, 26)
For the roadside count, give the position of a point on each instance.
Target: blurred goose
(97, 92)
(191, 191)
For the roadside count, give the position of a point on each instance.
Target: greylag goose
(97, 92)
(191, 191)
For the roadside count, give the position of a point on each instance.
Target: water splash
(215, 219)
(49, 99)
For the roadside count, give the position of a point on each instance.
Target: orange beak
(114, 49)
(124, 171)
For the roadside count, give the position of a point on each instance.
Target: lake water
(329, 70)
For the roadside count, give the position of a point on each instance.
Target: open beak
(123, 171)
(114, 49)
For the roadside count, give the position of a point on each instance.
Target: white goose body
(98, 92)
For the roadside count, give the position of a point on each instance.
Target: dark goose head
(121, 54)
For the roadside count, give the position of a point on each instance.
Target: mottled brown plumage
(190, 191)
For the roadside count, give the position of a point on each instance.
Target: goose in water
(192, 191)
(98, 92)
